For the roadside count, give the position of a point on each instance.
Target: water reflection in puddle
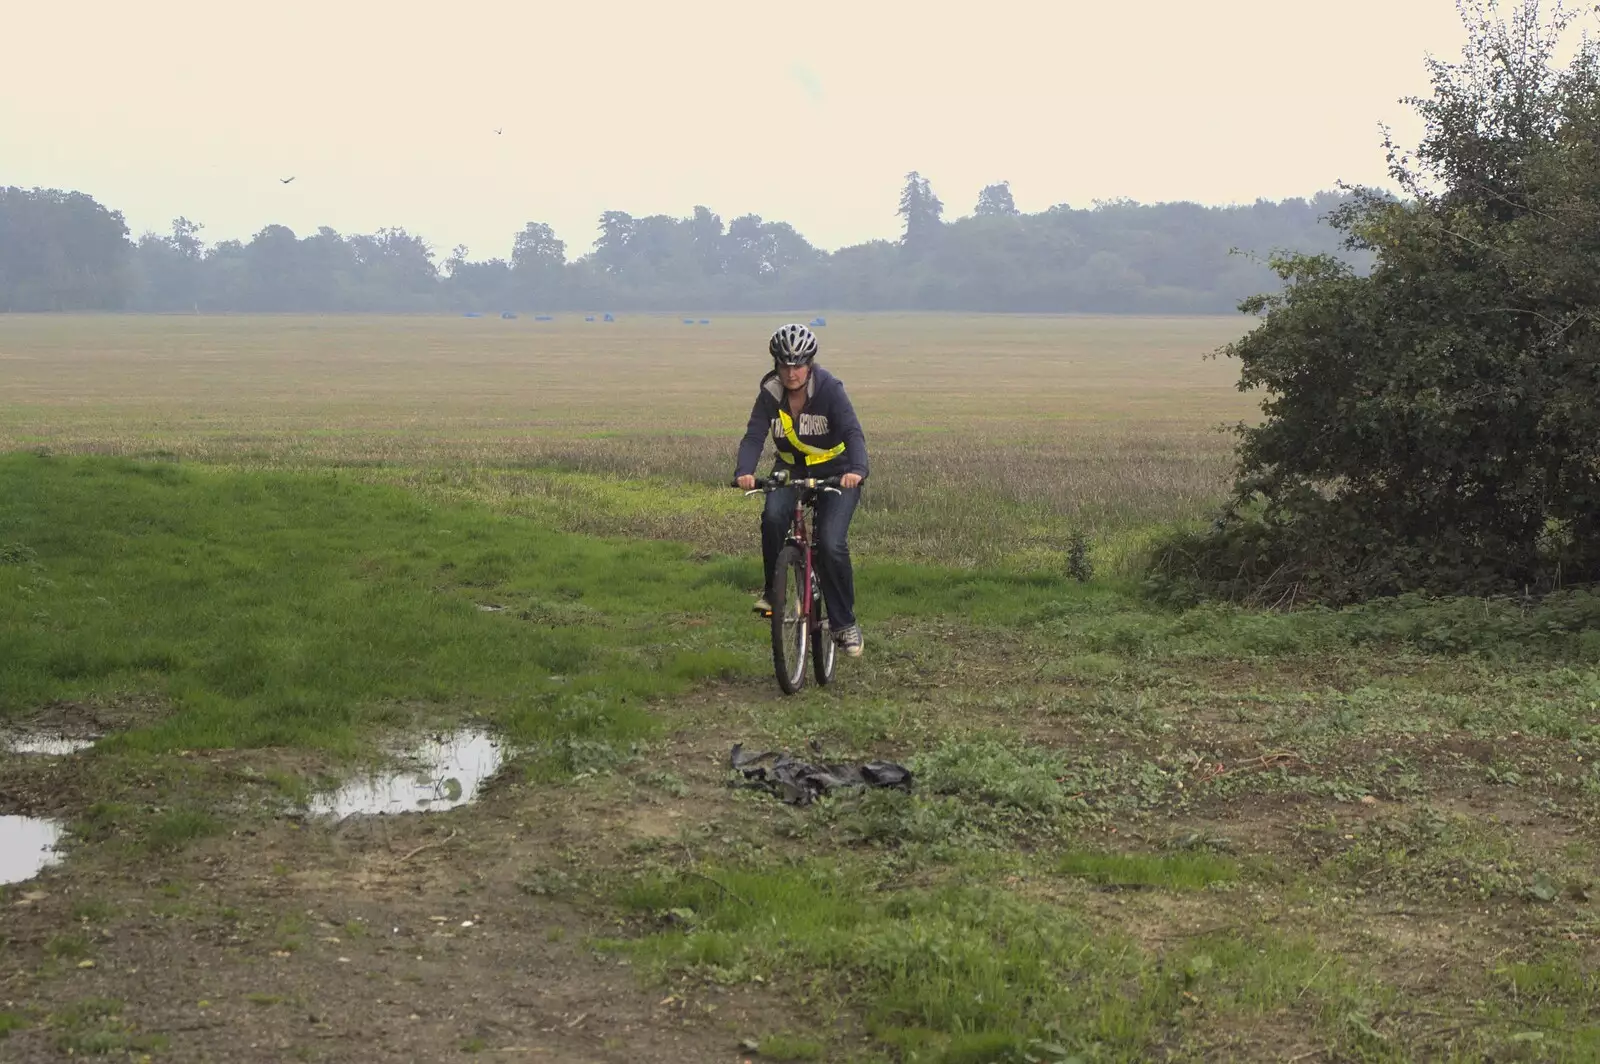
(49, 745)
(27, 846)
(450, 771)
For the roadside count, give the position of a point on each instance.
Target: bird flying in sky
(497, 131)
(285, 180)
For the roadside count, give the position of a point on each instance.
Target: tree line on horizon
(64, 251)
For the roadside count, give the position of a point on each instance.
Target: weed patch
(17, 554)
(179, 827)
(96, 1027)
(69, 947)
(959, 970)
(1562, 979)
(1428, 852)
(1025, 778)
(1562, 626)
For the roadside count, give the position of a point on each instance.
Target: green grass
(86, 1011)
(93, 910)
(967, 972)
(68, 947)
(179, 827)
(968, 793)
(1059, 732)
(1175, 871)
(1427, 850)
(1561, 978)
(273, 610)
(278, 610)
(1032, 779)
(789, 1047)
(1564, 626)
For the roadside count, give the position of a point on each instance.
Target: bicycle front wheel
(790, 634)
(822, 645)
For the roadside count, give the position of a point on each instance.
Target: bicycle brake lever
(836, 491)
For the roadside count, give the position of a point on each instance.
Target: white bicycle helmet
(793, 345)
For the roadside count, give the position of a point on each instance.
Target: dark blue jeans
(830, 547)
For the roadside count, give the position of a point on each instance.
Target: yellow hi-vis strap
(814, 455)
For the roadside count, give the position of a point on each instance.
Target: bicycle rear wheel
(822, 647)
(790, 627)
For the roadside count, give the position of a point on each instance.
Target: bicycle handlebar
(774, 483)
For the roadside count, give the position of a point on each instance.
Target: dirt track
(399, 938)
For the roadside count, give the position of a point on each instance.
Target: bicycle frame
(791, 638)
(800, 536)
(800, 532)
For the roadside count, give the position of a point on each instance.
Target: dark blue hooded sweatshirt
(825, 423)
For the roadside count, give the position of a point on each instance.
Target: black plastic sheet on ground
(803, 782)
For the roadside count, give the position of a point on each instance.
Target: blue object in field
(688, 321)
(610, 318)
(472, 314)
(705, 321)
(507, 315)
(588, 317)
(543, 317)
(818, 320)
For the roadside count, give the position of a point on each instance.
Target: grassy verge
(274, 610)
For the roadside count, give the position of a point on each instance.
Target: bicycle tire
(824, 654)
(791, 631)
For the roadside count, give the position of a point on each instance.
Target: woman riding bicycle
(816, 434)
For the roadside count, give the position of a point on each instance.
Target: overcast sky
(385, 112)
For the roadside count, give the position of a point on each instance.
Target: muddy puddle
(46, 745)
(27, 847)
(442, 773)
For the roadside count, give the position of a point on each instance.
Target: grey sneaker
(763, 607)
(849, 640)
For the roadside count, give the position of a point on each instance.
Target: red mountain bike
(799, 618)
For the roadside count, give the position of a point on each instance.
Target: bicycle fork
(808, 586)
(807, 607)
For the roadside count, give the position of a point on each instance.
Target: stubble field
(991, 436)
(249, 554)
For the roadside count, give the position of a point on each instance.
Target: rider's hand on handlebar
(850, 480)
(747, 482)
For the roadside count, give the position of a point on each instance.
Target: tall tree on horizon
(537, 247)
(611, 246)
(61, 251)
(995, 202)
(921, 210)
(705, 228)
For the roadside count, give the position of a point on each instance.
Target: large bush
(1434, 424)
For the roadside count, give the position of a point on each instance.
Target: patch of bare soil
(378, 939)
(35, 786)
(478, 930)
(87, 720)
